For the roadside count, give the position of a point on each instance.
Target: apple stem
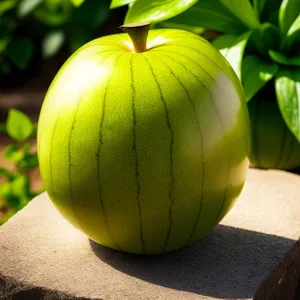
(138, 34)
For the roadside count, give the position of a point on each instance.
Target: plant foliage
(31, 28)
(259, 38)
(15, 188)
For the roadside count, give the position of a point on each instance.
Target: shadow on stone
(227, 263)
(284, 282)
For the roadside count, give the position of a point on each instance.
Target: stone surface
(284, 282)
(43, 257)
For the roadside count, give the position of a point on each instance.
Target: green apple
(143, 139)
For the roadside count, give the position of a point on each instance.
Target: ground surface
(42, 256)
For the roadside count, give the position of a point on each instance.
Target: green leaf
(288, 12)
(15, 154)
(77, 3)
(20, 190)
(284, 60)
(210, 14)
(55, 5)
(7, 174)
(12, 153)
(53, 19)
(4, 43)
(91, 14)
(52, 43)
(30, 162)
(5, 190)
(258, 7)
(287, 87)
(155, 11)
(255, 74)
(10, 150)
(27, 6)
(20, 186)
(6, 5)
(118, 3)
(243, 10)
(265, 37)
(232, 47)
(270, 11)
(13, 202)
(6, 193)
(294, 27)
(292, 34)
(20, 52)
(79, 37)
(19, 126)
(177, 25)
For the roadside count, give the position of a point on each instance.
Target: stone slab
(284, 282)
(43, 257)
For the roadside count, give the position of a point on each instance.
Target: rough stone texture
(43, 257)
(284, 282)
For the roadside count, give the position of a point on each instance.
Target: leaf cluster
(259, 38)
(15, 189)
(41, 28)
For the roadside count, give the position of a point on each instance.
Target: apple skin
(273, 145)
(144, 152)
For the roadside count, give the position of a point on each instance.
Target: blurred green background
(36, 37)
(33, 32)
